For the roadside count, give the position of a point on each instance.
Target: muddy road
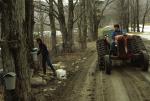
(124, 84)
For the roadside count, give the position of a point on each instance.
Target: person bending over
(45, 56)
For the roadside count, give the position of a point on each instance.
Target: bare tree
(47, 8)
(137, 15)
(146, 11)
(29, 29)
(40, 16)
(66, 25)
(123, 13)
(82, 24)
(96, 11)
(66, 28)
(14, 48)
(52, 25)
(133, 15)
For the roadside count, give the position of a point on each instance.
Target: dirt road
(124, 84)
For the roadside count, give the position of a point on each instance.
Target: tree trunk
(143, 23)
(14, 48)
(41, 18)
(84, 34)
(66, 30)
(145, 14)
(29, 29)
(96, 26)
(128, 16)
(134, 16)
(70, 25)
(42, 26)
(137, 17)
(90, 19)
(83, 25)
(53, 28)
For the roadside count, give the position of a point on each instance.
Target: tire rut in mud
(140, 82)
(123, 85)
(131, 88)
(80, 88)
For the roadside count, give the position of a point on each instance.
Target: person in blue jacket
(116, 32)
(45, 56)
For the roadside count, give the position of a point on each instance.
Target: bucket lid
(10, 74)
(34, 49)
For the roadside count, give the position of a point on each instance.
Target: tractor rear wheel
(145, 61)
(107, 64)
(102, 51)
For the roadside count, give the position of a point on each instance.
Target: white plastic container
(10, 81)
(34, 55)
(61, 74)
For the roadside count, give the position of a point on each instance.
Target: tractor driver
(116, 32)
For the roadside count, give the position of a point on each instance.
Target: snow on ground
(58, 33)
(147, 29)
(146, 33)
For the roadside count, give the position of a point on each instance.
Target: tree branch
(79, 16)
(55, 3)
(47, 1)
(108, 2)
(75, 3)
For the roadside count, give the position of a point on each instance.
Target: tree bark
(90, 19)
(147, 8)
(53, 27)
(143, 23)
(29, 29)
(70, 24)
(41, 18)
(137, 17)
(14, 48)
(67, 30)
(63, 27)
(83, 26)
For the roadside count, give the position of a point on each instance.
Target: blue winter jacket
(115, 33)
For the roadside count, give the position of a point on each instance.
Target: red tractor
(126, 48)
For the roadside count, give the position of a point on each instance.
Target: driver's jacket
(115, 33)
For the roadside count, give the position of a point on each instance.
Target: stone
(38, 81)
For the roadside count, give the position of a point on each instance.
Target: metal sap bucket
(34, 54)
(10, 81)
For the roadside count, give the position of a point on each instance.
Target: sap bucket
(34, 54)
(10, 81)
(61, 74)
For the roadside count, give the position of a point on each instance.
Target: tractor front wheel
(107, 64)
